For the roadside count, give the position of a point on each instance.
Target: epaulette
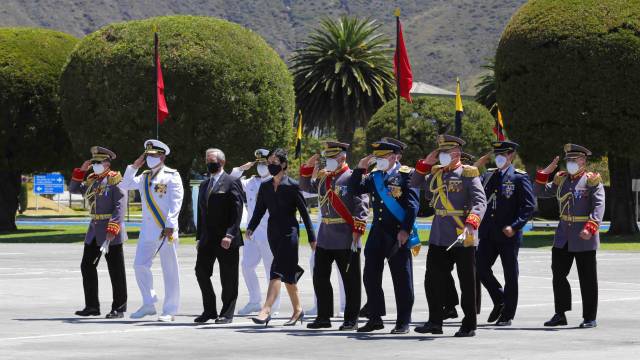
(146, 172)
(436, 168)
(92, 176)
(114, 177)
(491, 169)
(593, 179)
(519, 171)
(169, 170)
(470, 171)
(559, 177)
(405, 169)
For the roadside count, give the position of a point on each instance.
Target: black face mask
(274, 169)
(213, 167)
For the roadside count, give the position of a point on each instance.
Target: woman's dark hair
(281, 154)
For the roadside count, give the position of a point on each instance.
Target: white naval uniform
(167, 191)
(256, 248)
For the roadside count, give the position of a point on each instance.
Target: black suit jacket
(220, 211)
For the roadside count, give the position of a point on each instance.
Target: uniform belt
(100, 216)
(445, 212)
(329, 221)
(569, 218)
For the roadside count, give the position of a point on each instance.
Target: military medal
(160, 189)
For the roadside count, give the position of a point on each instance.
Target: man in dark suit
(220, 202)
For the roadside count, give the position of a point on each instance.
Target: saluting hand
(585, 235)
(551, 167)
(364, 162)
(432, 158)
(85, 165)
(139, 162)
(482, 161)
(313, 161)
(247, 166)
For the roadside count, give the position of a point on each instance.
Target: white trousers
(170, 273)
(253, 251)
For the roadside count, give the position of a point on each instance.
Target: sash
(151, 203)
(394, 207)
(337, 203)
(445, 201)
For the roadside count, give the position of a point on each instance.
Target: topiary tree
(568, 71)
(225, 88)
(425, 118)
(31, 133)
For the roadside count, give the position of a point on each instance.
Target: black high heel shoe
(259, 321)
(293, 321)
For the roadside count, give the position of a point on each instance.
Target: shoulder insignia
(114, 177)
(436, 168)
(92, 176)
(492, 169)
(146, 172)
(593, 179)
(470, 171)
(169, 170)
(559, 177)
(405, 169)
(520, 171)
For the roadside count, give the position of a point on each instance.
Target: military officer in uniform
(161, 191)
(456, 194)
(257, 248)
(344, 218)
(581, 198)
(510, 205)
(395, 207)
(106, 231)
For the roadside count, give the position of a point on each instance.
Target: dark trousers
(228, 261)
(488, 252)
(449, 291)
(350, 277)
(401, 274)
(439, 264)
(115, 264)
(561, 262)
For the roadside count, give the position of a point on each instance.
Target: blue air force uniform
(382, 242)
(510, 202)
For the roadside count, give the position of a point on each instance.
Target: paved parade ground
(40, 288)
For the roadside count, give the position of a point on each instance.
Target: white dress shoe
(250, 308)
(144, 310)
(166, 318)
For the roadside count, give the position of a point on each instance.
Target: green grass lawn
(75, 233)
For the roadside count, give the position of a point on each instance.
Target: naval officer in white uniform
(161, 194)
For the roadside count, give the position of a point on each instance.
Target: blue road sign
(48, 184)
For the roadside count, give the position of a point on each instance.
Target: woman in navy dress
(282, 197)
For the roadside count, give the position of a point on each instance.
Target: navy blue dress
(283, 228)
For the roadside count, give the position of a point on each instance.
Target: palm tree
(342, 75)
(486, 94)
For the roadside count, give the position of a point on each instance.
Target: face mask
(263, 170)
(444, 158)
(152, 162)
(573, 167)
(98, 169)
(382, 164)
(213, 167)
(501, 161)
(274, 169)
(332, 164)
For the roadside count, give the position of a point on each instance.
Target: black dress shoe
(319, 324)
(371, 326)
(364, 312)
(450, 313)
(88, 312)
(115, 315)
(588, 324)
(503, 321)
(465, 333)
(429, 328)
(205, 317)
(557, 320)
(400, 329)
(348, 326)
(224, 320)
(495, 313)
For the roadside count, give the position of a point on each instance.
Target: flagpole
(397, 13)
(155, 66)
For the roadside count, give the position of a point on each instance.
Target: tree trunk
(345, 130)
(9, 192)
(623, 211)
(185, 220)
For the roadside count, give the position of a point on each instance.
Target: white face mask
(98, 169)
(501, 161)
(444, 158)
(152, 162)
(332, 164)
(263, 170)
(573, 167)
(382, 164)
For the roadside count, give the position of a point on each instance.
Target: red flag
(162, 110)
(405, 78)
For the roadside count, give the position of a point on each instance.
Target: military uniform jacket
(462, 189)
(108, 204)
(510, 202)
(581, 201)
(334, 232)
(167, 192)
(397, 183)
